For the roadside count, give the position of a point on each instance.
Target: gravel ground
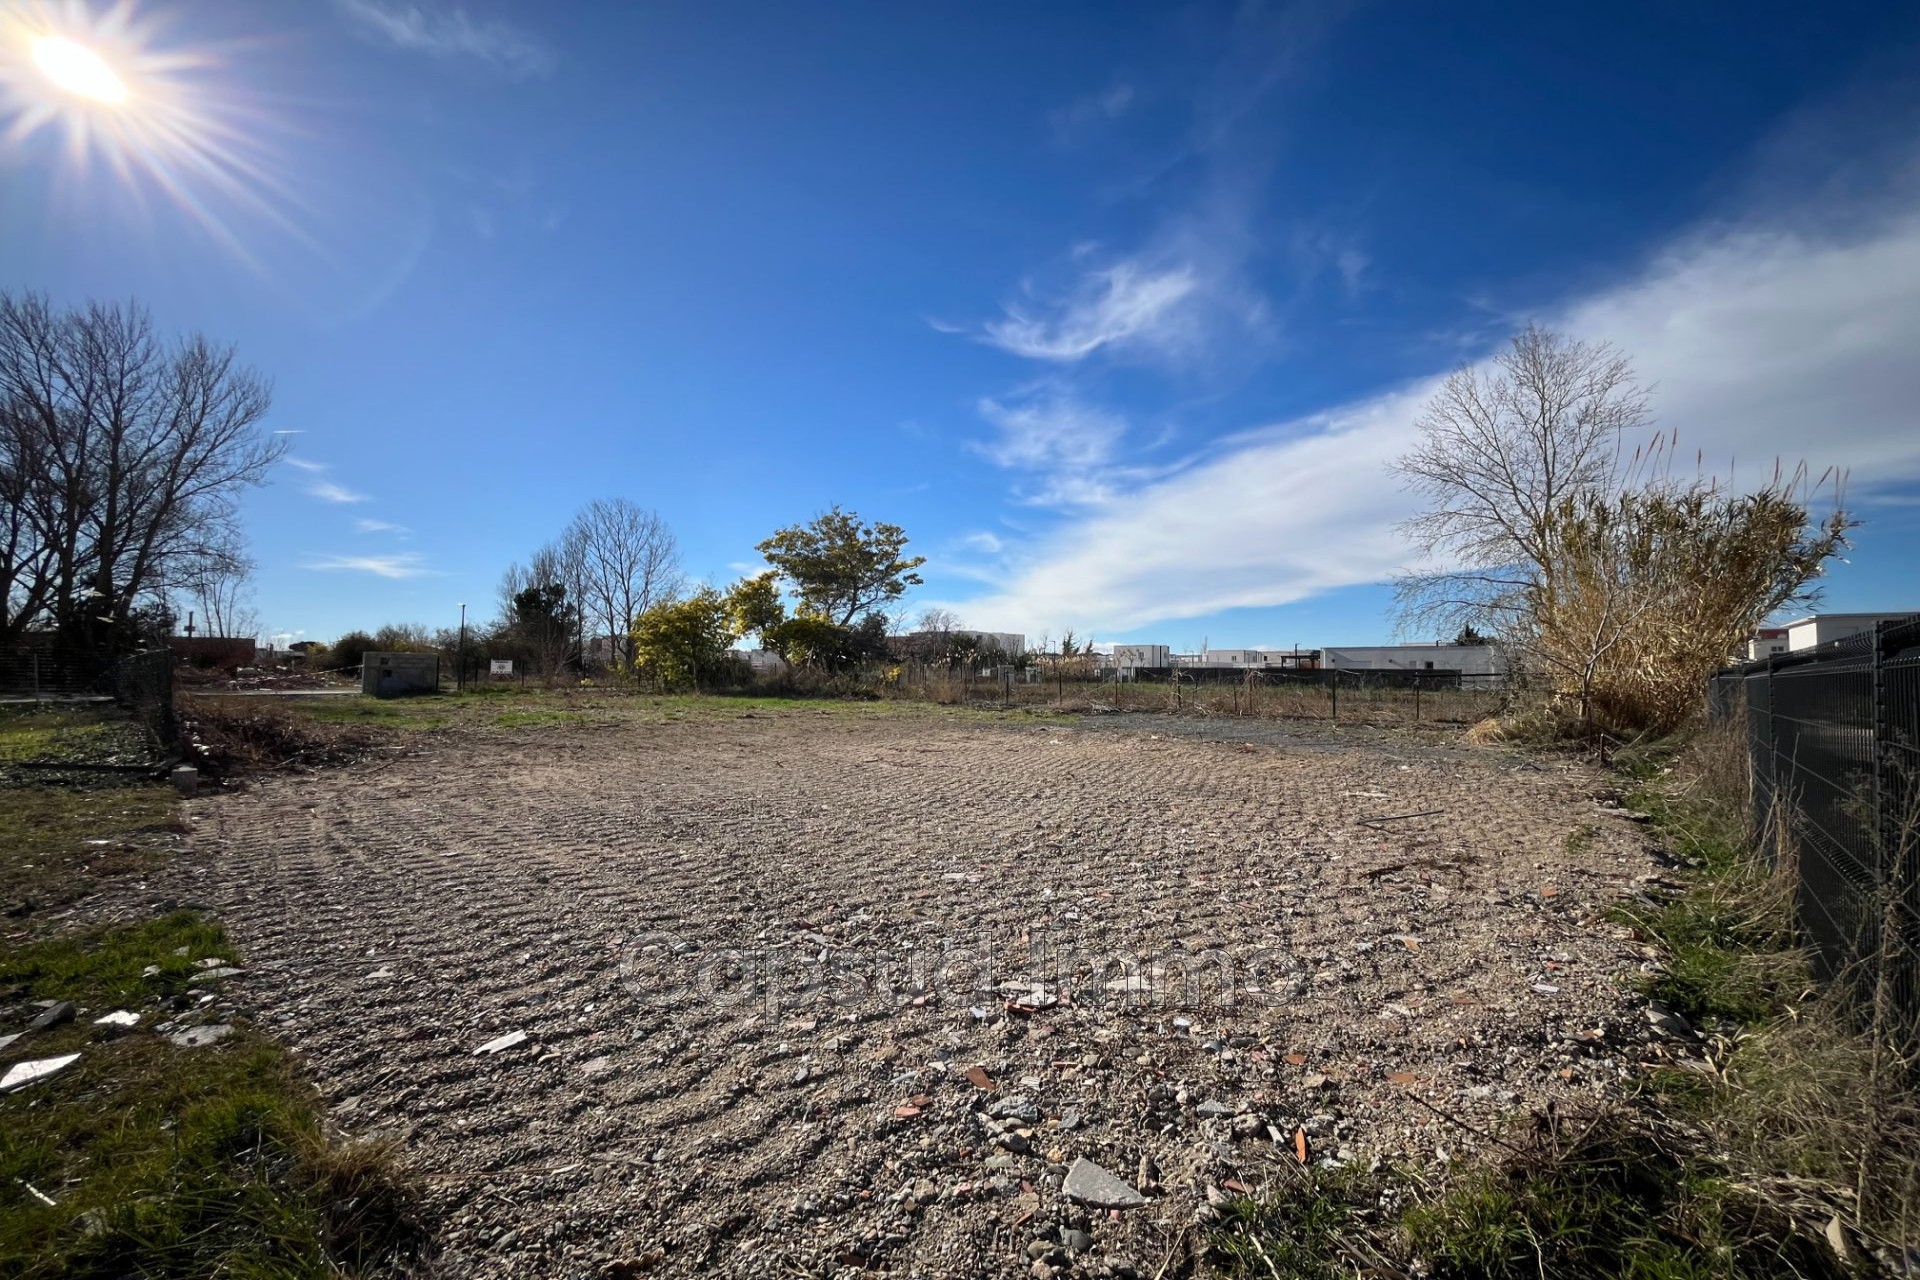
(797, 993)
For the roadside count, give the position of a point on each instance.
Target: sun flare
(133, 112)
(78, 70)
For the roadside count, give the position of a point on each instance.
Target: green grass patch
(58, 843)
(83, 735)
(107, 967)
(1312, 1228)
(424, 712)
(1614, 1198)
(1728, 937)
(169, 1161)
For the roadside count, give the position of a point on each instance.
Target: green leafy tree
(841, 568)
(350, 648)
(754, 605)
(684, 642)
(1468, 636)
(811, 641)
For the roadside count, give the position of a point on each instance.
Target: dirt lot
(754, 956)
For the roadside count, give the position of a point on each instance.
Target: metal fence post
(1882, 721)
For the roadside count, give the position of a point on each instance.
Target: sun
(107, 95)
(78, 70)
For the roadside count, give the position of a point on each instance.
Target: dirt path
(754, 957)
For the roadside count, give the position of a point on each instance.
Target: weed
(1312, 1228)
(1613, 1196)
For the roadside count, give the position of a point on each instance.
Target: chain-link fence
(69, 715)
(1833, 737)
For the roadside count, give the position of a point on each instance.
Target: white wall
(1468, 659)
(1127, 657)
(1826, 628)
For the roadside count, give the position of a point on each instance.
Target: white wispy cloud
(447, 32)
(1050, 431)
(328, 491)
(1109, 103)
(303, 464)
(405, 565)
(1126, 304)
(980, 540)
(369, 525)
(1762, 344)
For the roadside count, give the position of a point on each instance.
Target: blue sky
(1119, 311)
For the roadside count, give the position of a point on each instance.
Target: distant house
(1825, 628)
(759, 661)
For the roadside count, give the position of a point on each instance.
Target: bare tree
(220, 592)
(121, 461)
(1500, 452)
(627, 561)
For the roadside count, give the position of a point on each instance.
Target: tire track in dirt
(615, 893)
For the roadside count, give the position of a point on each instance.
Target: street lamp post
(460, 661)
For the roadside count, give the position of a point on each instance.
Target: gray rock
(202, 1036)
(1669, 1023)
(1214, 1110)
(1076, 1241)
(21, 1074)
(52, 1016)
(1015, 1107)
(1093, 1186)
(215, 975)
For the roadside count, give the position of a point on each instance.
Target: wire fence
(1833, 740)
(75, 715)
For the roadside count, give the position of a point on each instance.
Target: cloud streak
(368, 525)
(1121, 306)
(328, 491)
(407, 565)
(448, 33)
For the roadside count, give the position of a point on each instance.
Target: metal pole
(460, 661)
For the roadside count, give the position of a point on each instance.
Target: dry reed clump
(1647, 592)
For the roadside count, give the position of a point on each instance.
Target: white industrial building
(1467, 659)
(1825, 628)
(1129, 658)
(1250, 659)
